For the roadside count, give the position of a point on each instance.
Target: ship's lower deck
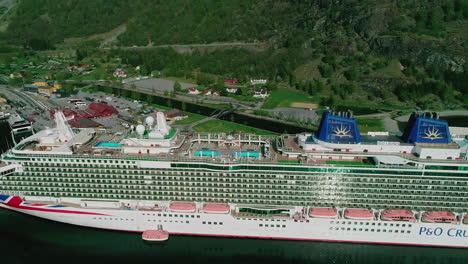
(232, 225)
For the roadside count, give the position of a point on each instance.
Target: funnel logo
(432, 134)
(341, 132)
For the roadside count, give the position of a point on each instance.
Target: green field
(284, 98)
(190, 119)
(221, 126)
(370, 124)
(162, 107)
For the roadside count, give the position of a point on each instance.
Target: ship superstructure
(332, 185)
(18, 124)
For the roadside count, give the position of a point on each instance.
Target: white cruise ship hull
(227, 225)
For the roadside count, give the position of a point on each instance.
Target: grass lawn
(190, 119)
(162, 107)
(284, 98)
(370, 124)
(221, 126)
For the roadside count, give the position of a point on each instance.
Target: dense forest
(388, 50)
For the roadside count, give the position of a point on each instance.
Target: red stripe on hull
(16, 201)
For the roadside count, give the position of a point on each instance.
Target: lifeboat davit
(439, 217)
(359, 214)
(155, 235)
(398, 215)
(183, 207)
(321, 212)
(216, 208)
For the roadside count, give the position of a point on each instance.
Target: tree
(292, 80)
(177, 87)
(449, 10)
(239, 91)
(325, 70)
(318, 86)
(15, 81)
(68, 89)
(351, 75)
(421, 18)
(436, 20)
(135, 95)
(80, 54)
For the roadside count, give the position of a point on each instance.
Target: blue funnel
(338, 128)
(426, 128)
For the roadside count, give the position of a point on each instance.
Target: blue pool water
(109, 144)
(209, 153)
(243, 154)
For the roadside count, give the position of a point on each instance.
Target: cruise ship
(334, 185)
(18, 124)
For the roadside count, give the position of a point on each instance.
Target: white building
(260, 94)
(193, 91)
(258, 81)
(231, 89)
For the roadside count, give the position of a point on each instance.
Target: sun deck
(162, 142)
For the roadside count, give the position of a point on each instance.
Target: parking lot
(130, 112)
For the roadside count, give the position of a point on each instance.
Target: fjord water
(26, 239)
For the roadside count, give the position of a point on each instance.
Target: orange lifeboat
(155, 235)
(398, 215)
(439, 217)
(359, 214)
(183, 207)
(321, 212)
(216, 208)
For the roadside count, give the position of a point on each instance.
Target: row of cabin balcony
(298, 196)
(298, 183)
(199, 174)
(353, 189)
(255, 196)
(306, 185)
(180, 176)
(345, 186)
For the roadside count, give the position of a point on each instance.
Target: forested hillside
(389, 50)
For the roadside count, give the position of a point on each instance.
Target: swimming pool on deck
(209, 153)
(108, 145)
(239, 154)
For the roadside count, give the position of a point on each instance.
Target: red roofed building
(82, 114)
(100, 110)
(231, 80)
(193, 91)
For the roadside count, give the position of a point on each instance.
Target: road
(222, 44)
(8, 4)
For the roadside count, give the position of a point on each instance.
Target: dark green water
(27, 239)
